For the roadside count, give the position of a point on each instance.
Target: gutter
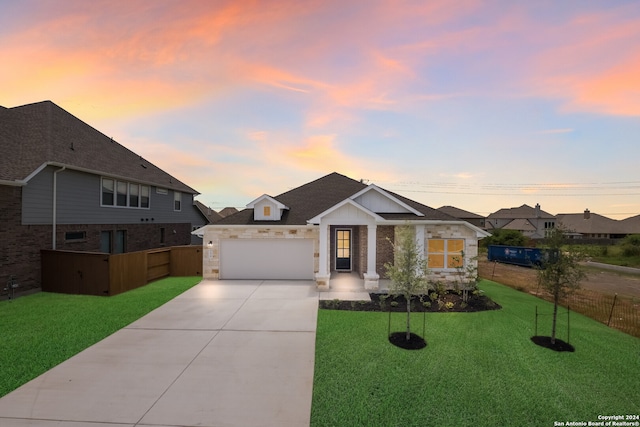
(55, 206)
(15, 183)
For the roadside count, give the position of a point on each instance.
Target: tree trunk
(556, 300)
(409, 318)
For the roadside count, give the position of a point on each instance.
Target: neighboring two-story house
(64, 185)
(532, 222)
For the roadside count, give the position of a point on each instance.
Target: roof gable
(378, 200)
(347, 210)
(317, 197)
(37, 134)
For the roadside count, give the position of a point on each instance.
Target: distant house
(589, 225)
(470, 217)
(333, 225)
(209, 216)
(65, 185)
(631, 225)
(227, 211)
(532, 222)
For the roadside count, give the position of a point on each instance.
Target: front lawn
(478, 369)
(42, 330)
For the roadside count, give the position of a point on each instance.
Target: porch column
(323, 275)
(420, 240)
(371, 277)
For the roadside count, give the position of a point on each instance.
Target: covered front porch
(350, 287)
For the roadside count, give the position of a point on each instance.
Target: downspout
(55, 205)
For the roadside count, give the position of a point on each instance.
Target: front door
(343, 249)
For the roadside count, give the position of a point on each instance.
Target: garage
(289, 259)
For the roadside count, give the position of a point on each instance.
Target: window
(120, 246)
(162, 235)
(107, 191)
(445, 253)
(121, 196)
(75, 236)
(177, 201)
(105, 242)
(124, 194)
(266, 211)
(144, 196)
(134, 195)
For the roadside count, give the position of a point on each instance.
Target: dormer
(266, 208)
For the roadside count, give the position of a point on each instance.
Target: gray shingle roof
(313, 198)
(35, 134)
(524, 211)
(459, 213)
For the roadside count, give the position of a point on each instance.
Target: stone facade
(451, 277)
(213, 236)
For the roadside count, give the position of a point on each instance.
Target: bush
(631, 245)
(505, 237)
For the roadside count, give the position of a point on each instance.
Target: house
(531, 222)
(631, 225)
(589, 225)
(229, 210)
(330, 225)
(64, 185)
(209, 216)
(470, 217)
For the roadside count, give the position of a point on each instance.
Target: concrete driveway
(224, 353)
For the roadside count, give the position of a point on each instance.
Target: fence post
(568, 324)
(612, 306)
(536, 327)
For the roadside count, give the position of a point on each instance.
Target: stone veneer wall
(450, 277)
(211, 261)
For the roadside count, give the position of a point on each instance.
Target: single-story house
(333, 224)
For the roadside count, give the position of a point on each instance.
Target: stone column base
(371, 281)
(322, 281)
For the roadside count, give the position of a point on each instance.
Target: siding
(79, 196)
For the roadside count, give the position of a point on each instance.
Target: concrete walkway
(236, 353)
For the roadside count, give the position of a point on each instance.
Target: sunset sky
(477, 104)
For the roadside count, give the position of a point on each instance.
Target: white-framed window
(123, 194)
(445, 253)
(177, 201)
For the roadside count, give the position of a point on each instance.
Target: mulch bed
(449, 302)
(559, 345)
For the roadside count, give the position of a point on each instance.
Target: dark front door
(343, 249)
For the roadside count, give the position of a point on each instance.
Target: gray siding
(79, 195)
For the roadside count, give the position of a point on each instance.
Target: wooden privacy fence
(91, 273)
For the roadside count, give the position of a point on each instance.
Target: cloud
(554, 131)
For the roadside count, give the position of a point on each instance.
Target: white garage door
(266, 259)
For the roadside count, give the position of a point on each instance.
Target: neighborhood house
(331, 225)
(66, 186)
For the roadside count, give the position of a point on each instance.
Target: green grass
(39, 331)
(477, 369)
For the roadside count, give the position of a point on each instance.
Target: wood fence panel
(128, 271)
(186, 261)
(83, 273)
(158, 264)
(90, 273)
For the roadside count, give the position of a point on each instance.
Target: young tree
(560, 274)
(408, 272)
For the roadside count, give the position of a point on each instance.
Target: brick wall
(384, 250)
(20, 245)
